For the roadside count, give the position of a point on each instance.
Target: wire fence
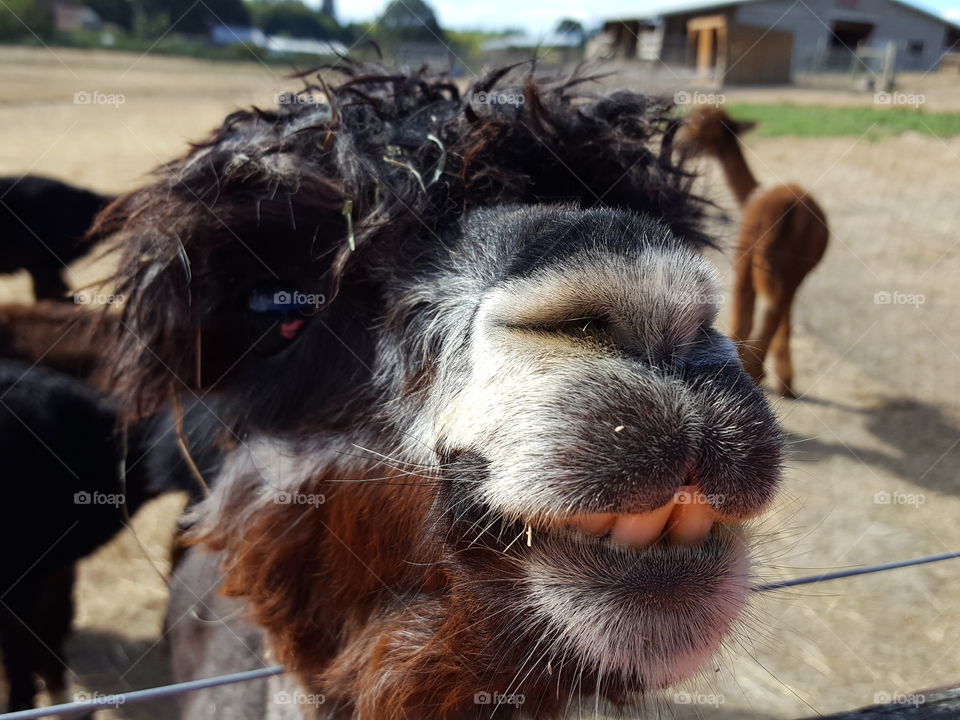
(102, 702)
(67, 710)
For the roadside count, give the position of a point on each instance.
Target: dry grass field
(874, 441)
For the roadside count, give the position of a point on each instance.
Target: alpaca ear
(744, 126)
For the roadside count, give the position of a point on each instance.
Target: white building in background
(821, 30)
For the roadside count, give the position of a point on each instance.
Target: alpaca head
(710, 130)
(489, 440)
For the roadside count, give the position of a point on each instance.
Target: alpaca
(783, 235)
(43, 223)
(54, 334)
(492, 454)
(64, 338)
(61, 498)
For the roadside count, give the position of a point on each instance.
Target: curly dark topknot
(355, 171)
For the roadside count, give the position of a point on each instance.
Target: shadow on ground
(106, 663)
(921, 444)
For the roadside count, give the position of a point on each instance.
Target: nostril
(632, 454)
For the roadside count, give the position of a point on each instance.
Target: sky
(538, 16)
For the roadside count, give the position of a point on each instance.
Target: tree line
(409, 20)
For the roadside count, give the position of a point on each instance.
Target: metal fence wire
(137, 696)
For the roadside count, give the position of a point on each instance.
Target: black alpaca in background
(62, 497)
(42, 227)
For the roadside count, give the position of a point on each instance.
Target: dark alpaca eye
(275, 317)
(588, 328)
(584, 328)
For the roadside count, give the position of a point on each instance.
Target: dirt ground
(874, 441)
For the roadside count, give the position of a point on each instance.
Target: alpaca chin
(646, 619)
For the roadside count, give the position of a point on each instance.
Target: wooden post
(705, 53)
(889, 66)
(701, 31)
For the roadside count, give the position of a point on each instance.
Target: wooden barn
(738, 54)
(765, 41)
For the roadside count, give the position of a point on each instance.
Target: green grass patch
(786, 119)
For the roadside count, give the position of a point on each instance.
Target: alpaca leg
(48, 283)
(16, 646)
(754, 352)
(743, 300)
(53, 622)
(781, 355)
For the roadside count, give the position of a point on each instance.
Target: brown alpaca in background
(58, 335)
(783, 235)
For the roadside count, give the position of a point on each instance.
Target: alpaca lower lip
(658, 614)
(651, 575)
(723, 539)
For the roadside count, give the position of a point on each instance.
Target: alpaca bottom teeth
(685, 520)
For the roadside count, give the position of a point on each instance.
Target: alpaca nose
(633, 435)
